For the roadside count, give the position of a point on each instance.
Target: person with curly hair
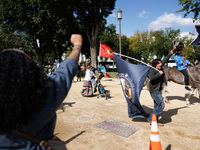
(28, 101)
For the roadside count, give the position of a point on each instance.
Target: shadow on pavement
(72, 138)
(193, 99)
(165, 115)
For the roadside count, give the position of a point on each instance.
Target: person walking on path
(155, 85)
(28, 103)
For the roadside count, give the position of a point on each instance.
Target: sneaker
(187, 88)
(149, 121)
(160, 124)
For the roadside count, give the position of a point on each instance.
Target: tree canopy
(48, 24)
(90, 14)
(43, 29)
(147, 44)
(190, 6)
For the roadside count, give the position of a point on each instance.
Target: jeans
(93, 81)
(159, 104)
(186, 77)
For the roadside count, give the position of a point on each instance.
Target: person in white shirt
(87, 89)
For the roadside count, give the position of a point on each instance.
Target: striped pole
(155, 143)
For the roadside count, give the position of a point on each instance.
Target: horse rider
(182, 64)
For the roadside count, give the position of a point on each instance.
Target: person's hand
(192, 64)
(88, 60)
(172, 51)
(76, 39)
(184, 58)
(161, 72)
(175, 44)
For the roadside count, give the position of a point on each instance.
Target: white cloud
(112, 15)
(170, 21)
(142, 14)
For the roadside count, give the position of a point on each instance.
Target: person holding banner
(157, 78)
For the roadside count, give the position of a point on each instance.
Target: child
(102, 89)
(182, 64)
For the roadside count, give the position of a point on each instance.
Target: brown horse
(172, 74)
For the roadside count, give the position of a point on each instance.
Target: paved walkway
(76, 124)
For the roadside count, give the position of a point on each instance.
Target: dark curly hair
(22, 89)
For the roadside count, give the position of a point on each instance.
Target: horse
(172, 74)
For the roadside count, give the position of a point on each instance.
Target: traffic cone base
(155, 146)
(155, 143)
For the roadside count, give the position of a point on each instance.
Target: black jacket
(156, 79)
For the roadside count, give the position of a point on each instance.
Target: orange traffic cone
(155, 143)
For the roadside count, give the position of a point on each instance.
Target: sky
(143, 15)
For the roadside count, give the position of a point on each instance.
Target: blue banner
(132, 79)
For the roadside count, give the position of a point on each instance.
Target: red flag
(106, 51)
(108, 75)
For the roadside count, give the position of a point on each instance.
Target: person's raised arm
(77, 41)
(86, 64)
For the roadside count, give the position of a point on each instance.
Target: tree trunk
(93, 51)
(92, 35)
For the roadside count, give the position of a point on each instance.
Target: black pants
(186, 79)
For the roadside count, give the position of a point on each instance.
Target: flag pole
(190, 39)
(136, 60)
(113, 62)
(99, 56)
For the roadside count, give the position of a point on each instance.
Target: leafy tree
(9, 40)
(140, 45)
(196, 54)
(158, 43)
(189, 50)
(125, 42)
(190, 6)
(47, 23)
(90, 14)
(163, 40)
(15, 40)
(109, 37)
